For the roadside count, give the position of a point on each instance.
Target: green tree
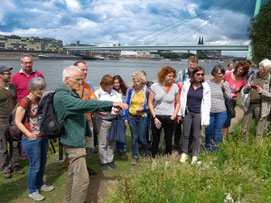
(260, 33)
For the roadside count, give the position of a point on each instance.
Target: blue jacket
(130, 95)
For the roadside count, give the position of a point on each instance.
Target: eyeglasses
(25, 63)
(6, 73)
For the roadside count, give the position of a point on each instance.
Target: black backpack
(49, 124)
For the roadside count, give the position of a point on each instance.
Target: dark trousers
(177, 134)
(9, 158)
(191, 120)
(169, 126)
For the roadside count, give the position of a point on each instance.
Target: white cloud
(130, 21)
(73, 5)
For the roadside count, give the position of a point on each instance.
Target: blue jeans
(121, 147)
(138, 128)
(36, 151)
(214, 129)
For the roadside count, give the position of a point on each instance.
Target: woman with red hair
(161, 104)
(104, 121)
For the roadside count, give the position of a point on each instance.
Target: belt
(136, 116)
(256, 102)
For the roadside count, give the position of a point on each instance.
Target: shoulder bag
(229, 105)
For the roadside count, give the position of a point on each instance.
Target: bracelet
(154, 118)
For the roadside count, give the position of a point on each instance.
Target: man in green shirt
(9, 159)
(71, 110)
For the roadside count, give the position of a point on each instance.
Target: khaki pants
(254, 112)
(77, 180)
(106, 148)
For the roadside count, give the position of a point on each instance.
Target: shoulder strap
(8, 94)
(229, 76)
(63, 90)
(27, 113)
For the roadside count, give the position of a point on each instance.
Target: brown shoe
(65, 163)
(7, 175)
(134, 161)
(18, 170)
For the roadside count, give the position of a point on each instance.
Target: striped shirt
(217, 99)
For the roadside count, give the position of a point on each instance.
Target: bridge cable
(191, 33)
(178, 22)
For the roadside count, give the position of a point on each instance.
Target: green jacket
(6, 104)
(71, 110)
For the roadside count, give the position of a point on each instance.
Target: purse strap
(164, 95)
(8, 94)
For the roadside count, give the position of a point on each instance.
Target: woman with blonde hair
(136, 115)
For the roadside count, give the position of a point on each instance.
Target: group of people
(180, 103)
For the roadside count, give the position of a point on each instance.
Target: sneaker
(112, 164)
(46, 188)
(183, 157)
(123, 154)
(7, 175)
(134, 161)
(104, 166)
(91, 172)
(153, 164)
(36, 196)
(194, 160)
(18, 170)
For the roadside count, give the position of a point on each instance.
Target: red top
(235, 86)
(180, 90)
(33, 125)
(20, 80)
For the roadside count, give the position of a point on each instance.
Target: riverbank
(107, 182)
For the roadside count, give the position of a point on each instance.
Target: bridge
(155, 48)
(169, 47)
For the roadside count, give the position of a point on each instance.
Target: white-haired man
(258, 104)
(71, 110)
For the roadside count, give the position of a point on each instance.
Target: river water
(52, 69)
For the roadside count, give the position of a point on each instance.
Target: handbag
(117, 131)
(229, 105)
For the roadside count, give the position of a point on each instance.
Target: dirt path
(239, 116)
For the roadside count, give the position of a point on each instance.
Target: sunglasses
(198, 74)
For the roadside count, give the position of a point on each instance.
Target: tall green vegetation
(239, 172)
(260, 33)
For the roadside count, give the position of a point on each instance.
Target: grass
(240, 171)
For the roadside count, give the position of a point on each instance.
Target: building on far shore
(209, 53)
(14, 43)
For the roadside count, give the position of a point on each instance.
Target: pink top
(20, 80)
(235, 86)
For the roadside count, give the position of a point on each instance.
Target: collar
(21, 71)
(106, 93)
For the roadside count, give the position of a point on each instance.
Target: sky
(129, 22)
